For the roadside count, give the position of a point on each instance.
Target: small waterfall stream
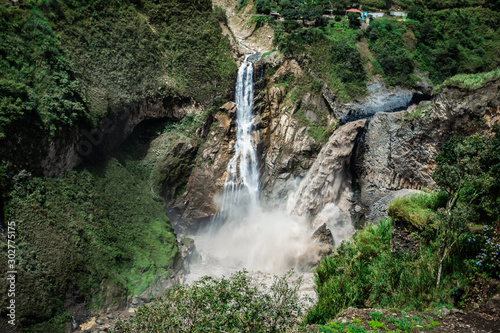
(241, 188)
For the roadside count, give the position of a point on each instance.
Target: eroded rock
(398, 149)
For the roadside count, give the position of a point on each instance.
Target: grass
(268, 53)
(469, 81)
(420, 112)
(416, 211)
(364, 272)
(382, 324)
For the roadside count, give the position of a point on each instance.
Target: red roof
(353, 10)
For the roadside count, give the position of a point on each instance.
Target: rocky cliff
(398, 149)
(404, 131)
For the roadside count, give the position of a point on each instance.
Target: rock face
(327, 180)
(64, 153)
(398, 149)
(206, 181)
(288, 150)
(324, 235)
(378, 99)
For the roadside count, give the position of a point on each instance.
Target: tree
(468, 170)
(312, 13)
(354, 21)
(264, 7)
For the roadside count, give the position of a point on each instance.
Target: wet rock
(378, 99)
(326, 181)
(324, 235)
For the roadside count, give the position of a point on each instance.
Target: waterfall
(243, 234)
(241, 188)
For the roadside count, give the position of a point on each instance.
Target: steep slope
(76, 79)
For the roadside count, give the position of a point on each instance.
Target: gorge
(139, 154)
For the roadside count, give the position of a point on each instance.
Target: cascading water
(242, 234)
(241, 188)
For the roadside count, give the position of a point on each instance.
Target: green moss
(320, 130)
(420, 111)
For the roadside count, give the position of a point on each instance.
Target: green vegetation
(390, 324)
(420, 112)
(393, 59)
(332, 52)
(442, 38)
(66, 64)
(416, 211)
(469, 81)
(319, 130)
(467, 43)
(367, 272)
(222, 305)
(99, 229)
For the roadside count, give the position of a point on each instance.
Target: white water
(243, 234)
(241, 188)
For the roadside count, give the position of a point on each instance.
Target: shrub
(487, 241)
(469, 81)
(394, 60)
(365, 272)
(354, 20)
(220, 14)
(226, 304)
(263, 7)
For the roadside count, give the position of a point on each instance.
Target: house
(353, 10)
(400, 14)
(376, 15)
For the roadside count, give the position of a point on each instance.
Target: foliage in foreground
(379, 321)
(231, 304)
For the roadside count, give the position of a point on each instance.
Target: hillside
(118, 130)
